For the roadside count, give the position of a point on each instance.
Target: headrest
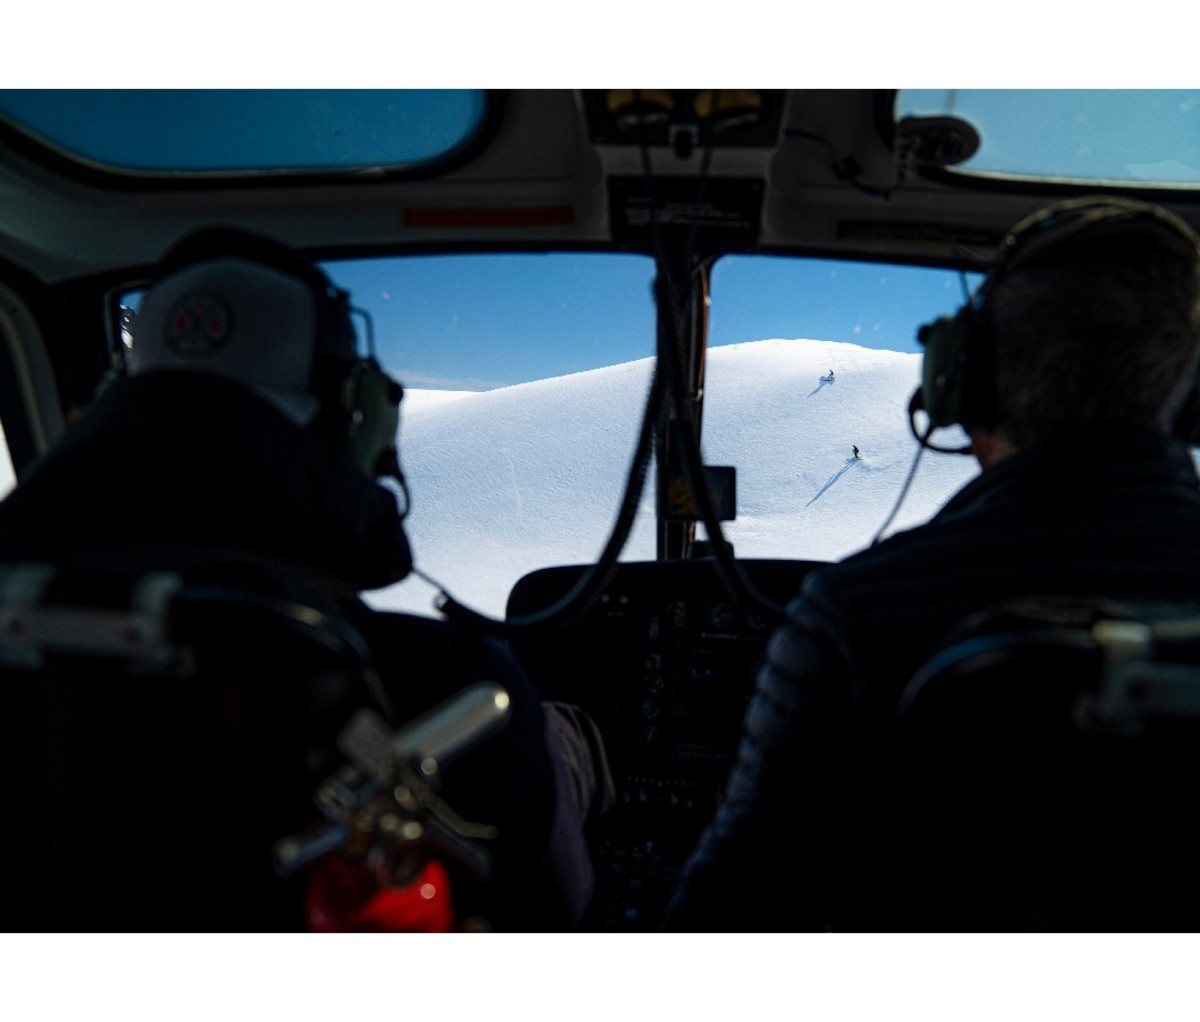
(240, 306)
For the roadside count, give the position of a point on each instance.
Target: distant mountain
(505, 481)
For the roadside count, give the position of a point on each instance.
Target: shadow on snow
(824, 380)
(834, 478)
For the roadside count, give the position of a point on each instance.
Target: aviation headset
(958, 373)
(358, 404)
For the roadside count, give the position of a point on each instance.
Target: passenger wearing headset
(243, 440)
(1074, 373)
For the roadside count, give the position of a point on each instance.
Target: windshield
(526, 377)
(810, 370)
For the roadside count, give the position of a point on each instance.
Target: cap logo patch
(199, 324)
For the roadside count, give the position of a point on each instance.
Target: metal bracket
(29, 628)
(1133, 687)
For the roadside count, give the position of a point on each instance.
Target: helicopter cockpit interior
(657, 346)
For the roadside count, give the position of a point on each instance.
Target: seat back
(1043, 773)
(158, 736)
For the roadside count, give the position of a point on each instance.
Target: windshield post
(681, 292)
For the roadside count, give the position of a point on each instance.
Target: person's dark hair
(1106, 335)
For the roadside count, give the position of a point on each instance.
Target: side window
(30, 393)
(8, 478)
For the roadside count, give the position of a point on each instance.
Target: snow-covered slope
(801, 492)
(508, 480)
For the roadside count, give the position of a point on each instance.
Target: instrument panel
(665, 662)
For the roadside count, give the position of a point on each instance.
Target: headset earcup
(946, 340)
(371, 400)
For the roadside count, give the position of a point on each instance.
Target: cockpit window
(221, 132)
(810, 369)
(1092, 136)
(525, 379)
(8, 478)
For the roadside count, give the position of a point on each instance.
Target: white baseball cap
(238, 318)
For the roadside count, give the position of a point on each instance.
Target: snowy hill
(508, 480)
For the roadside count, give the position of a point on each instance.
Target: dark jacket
(1115, 516)
(192, 473)
(194, 461)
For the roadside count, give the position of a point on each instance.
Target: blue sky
(480, 321)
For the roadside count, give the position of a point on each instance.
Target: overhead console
(665, 663)
(686, 119)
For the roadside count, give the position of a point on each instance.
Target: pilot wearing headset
(242, 440)
(1073, 372)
